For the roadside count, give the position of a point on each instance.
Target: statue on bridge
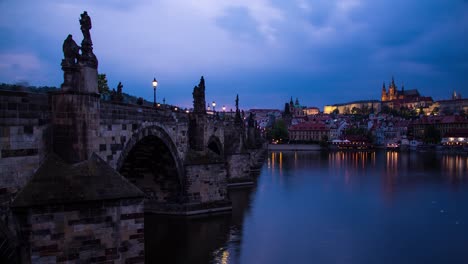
(199, 103)
(71, 51)
(87, 57)
(80, 70)
(85, 22)
(238, 118)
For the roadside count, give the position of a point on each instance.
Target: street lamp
(214, 105)
(155, 83)
(224, 108)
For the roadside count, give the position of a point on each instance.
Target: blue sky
(321, 51)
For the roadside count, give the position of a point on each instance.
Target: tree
(279, 131)
(139, 101)
(103, 87)
(365, 110)
(385, 109)
(286, 110)
(421, 110)
(336, 111)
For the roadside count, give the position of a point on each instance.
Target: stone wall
(75, 120)
(206, 183)
(25, 139)
(86, 233)
(214, 128)
(120, 123)
(238, 167)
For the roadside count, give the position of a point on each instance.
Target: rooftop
(57, 182)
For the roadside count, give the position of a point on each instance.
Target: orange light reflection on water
(351, 162)
(455, 167)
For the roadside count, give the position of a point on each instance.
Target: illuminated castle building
(395, 94)
(397, 99)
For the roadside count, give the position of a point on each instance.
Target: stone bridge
(77, 173)
(150, 146)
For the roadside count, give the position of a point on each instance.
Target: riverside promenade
(293, 147)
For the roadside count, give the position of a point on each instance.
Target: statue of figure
(87, 56)
(85, 23)
(117, 96)
(238, 118)
(251, 120)
(71, 50)
(199, 103)
(119, 88)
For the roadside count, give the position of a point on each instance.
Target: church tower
(384, 93)
(392, 91)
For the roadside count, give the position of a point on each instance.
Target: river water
(331, 207)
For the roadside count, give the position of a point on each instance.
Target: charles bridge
(78, 173)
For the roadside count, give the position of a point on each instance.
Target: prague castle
(394, 94)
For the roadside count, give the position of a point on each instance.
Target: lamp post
(155, 83)
(214, 105)
(224, 108)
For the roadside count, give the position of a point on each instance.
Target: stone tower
(75, 108)
(384, 93)
(392, 91)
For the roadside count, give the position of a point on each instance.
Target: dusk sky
(321, 51)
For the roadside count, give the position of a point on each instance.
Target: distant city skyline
(322, 52)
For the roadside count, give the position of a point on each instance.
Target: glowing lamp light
(155, 83)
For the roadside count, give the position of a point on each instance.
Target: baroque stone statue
(85, 22)
(199, 103)
(87, 56)
(71, 51)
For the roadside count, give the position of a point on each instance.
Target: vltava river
(320, 207)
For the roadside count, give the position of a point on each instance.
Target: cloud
(16, 67)
(282, 48)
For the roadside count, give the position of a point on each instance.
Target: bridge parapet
(121, 123)
(25, 138)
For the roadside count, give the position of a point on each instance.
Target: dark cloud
(322, 51)
(239, 23)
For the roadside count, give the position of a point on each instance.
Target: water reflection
(213, 239)
(455, 167)
(331, 207)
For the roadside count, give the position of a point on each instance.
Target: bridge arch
(215, 145)
(150, 160)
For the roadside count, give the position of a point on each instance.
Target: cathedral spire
(383, 87)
